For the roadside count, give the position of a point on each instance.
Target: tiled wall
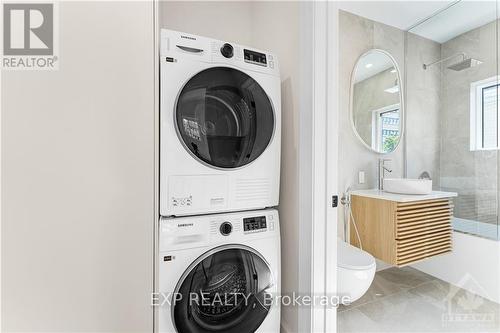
(473, 174)
(356, 36)
(422, 104)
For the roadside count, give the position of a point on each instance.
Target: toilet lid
(351, 257)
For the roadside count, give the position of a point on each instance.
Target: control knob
(227, 50)
(226, 228)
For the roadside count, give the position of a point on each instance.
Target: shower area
(452, 122)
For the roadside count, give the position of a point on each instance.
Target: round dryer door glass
(224, 291)
(224, 117)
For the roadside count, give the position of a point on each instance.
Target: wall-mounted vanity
(402, 229)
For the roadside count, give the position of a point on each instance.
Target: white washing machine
(220, 130)
(220, 273)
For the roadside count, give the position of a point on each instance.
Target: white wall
(280, 33)
(78, 178)
(224, 20)
(272, 26)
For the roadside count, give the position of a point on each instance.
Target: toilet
(355, 271)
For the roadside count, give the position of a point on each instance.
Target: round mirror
(377, 102)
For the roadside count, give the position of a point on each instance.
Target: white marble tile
(417, 302)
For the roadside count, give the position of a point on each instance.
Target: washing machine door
(224, 118)
(225, 290)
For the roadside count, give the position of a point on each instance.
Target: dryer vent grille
(252, 189)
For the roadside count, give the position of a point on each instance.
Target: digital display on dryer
(255, 57)
(254, 223)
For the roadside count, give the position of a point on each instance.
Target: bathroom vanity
(402, 229)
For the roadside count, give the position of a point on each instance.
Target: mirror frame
(401, 101)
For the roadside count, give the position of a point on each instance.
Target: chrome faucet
(382, 168)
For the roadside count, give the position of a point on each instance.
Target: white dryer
(220, 115)
(220, 273)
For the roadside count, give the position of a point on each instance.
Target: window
(386, 127)
(484, 125)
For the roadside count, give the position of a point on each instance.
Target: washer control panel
(189, 232)
(254, 224)
(254, 57)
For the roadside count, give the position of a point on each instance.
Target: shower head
(459, 66)
(464, 64)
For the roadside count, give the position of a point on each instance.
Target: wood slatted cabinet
(402, 232)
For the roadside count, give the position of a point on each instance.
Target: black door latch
(335, 201)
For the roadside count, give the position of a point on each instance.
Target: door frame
(318, 161)
(332, 162)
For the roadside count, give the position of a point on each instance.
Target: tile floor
(407, 300)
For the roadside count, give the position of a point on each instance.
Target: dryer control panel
(178, 47)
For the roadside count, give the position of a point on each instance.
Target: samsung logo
(185, 225)
(188, 37)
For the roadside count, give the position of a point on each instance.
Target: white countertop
(377, 194)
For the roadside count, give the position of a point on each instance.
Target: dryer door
(225, 290)
(224, 118)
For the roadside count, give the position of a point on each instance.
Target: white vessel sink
(408, 186)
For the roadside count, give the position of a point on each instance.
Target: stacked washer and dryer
(220, 114)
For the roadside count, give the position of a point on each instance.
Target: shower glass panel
(452, 124)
